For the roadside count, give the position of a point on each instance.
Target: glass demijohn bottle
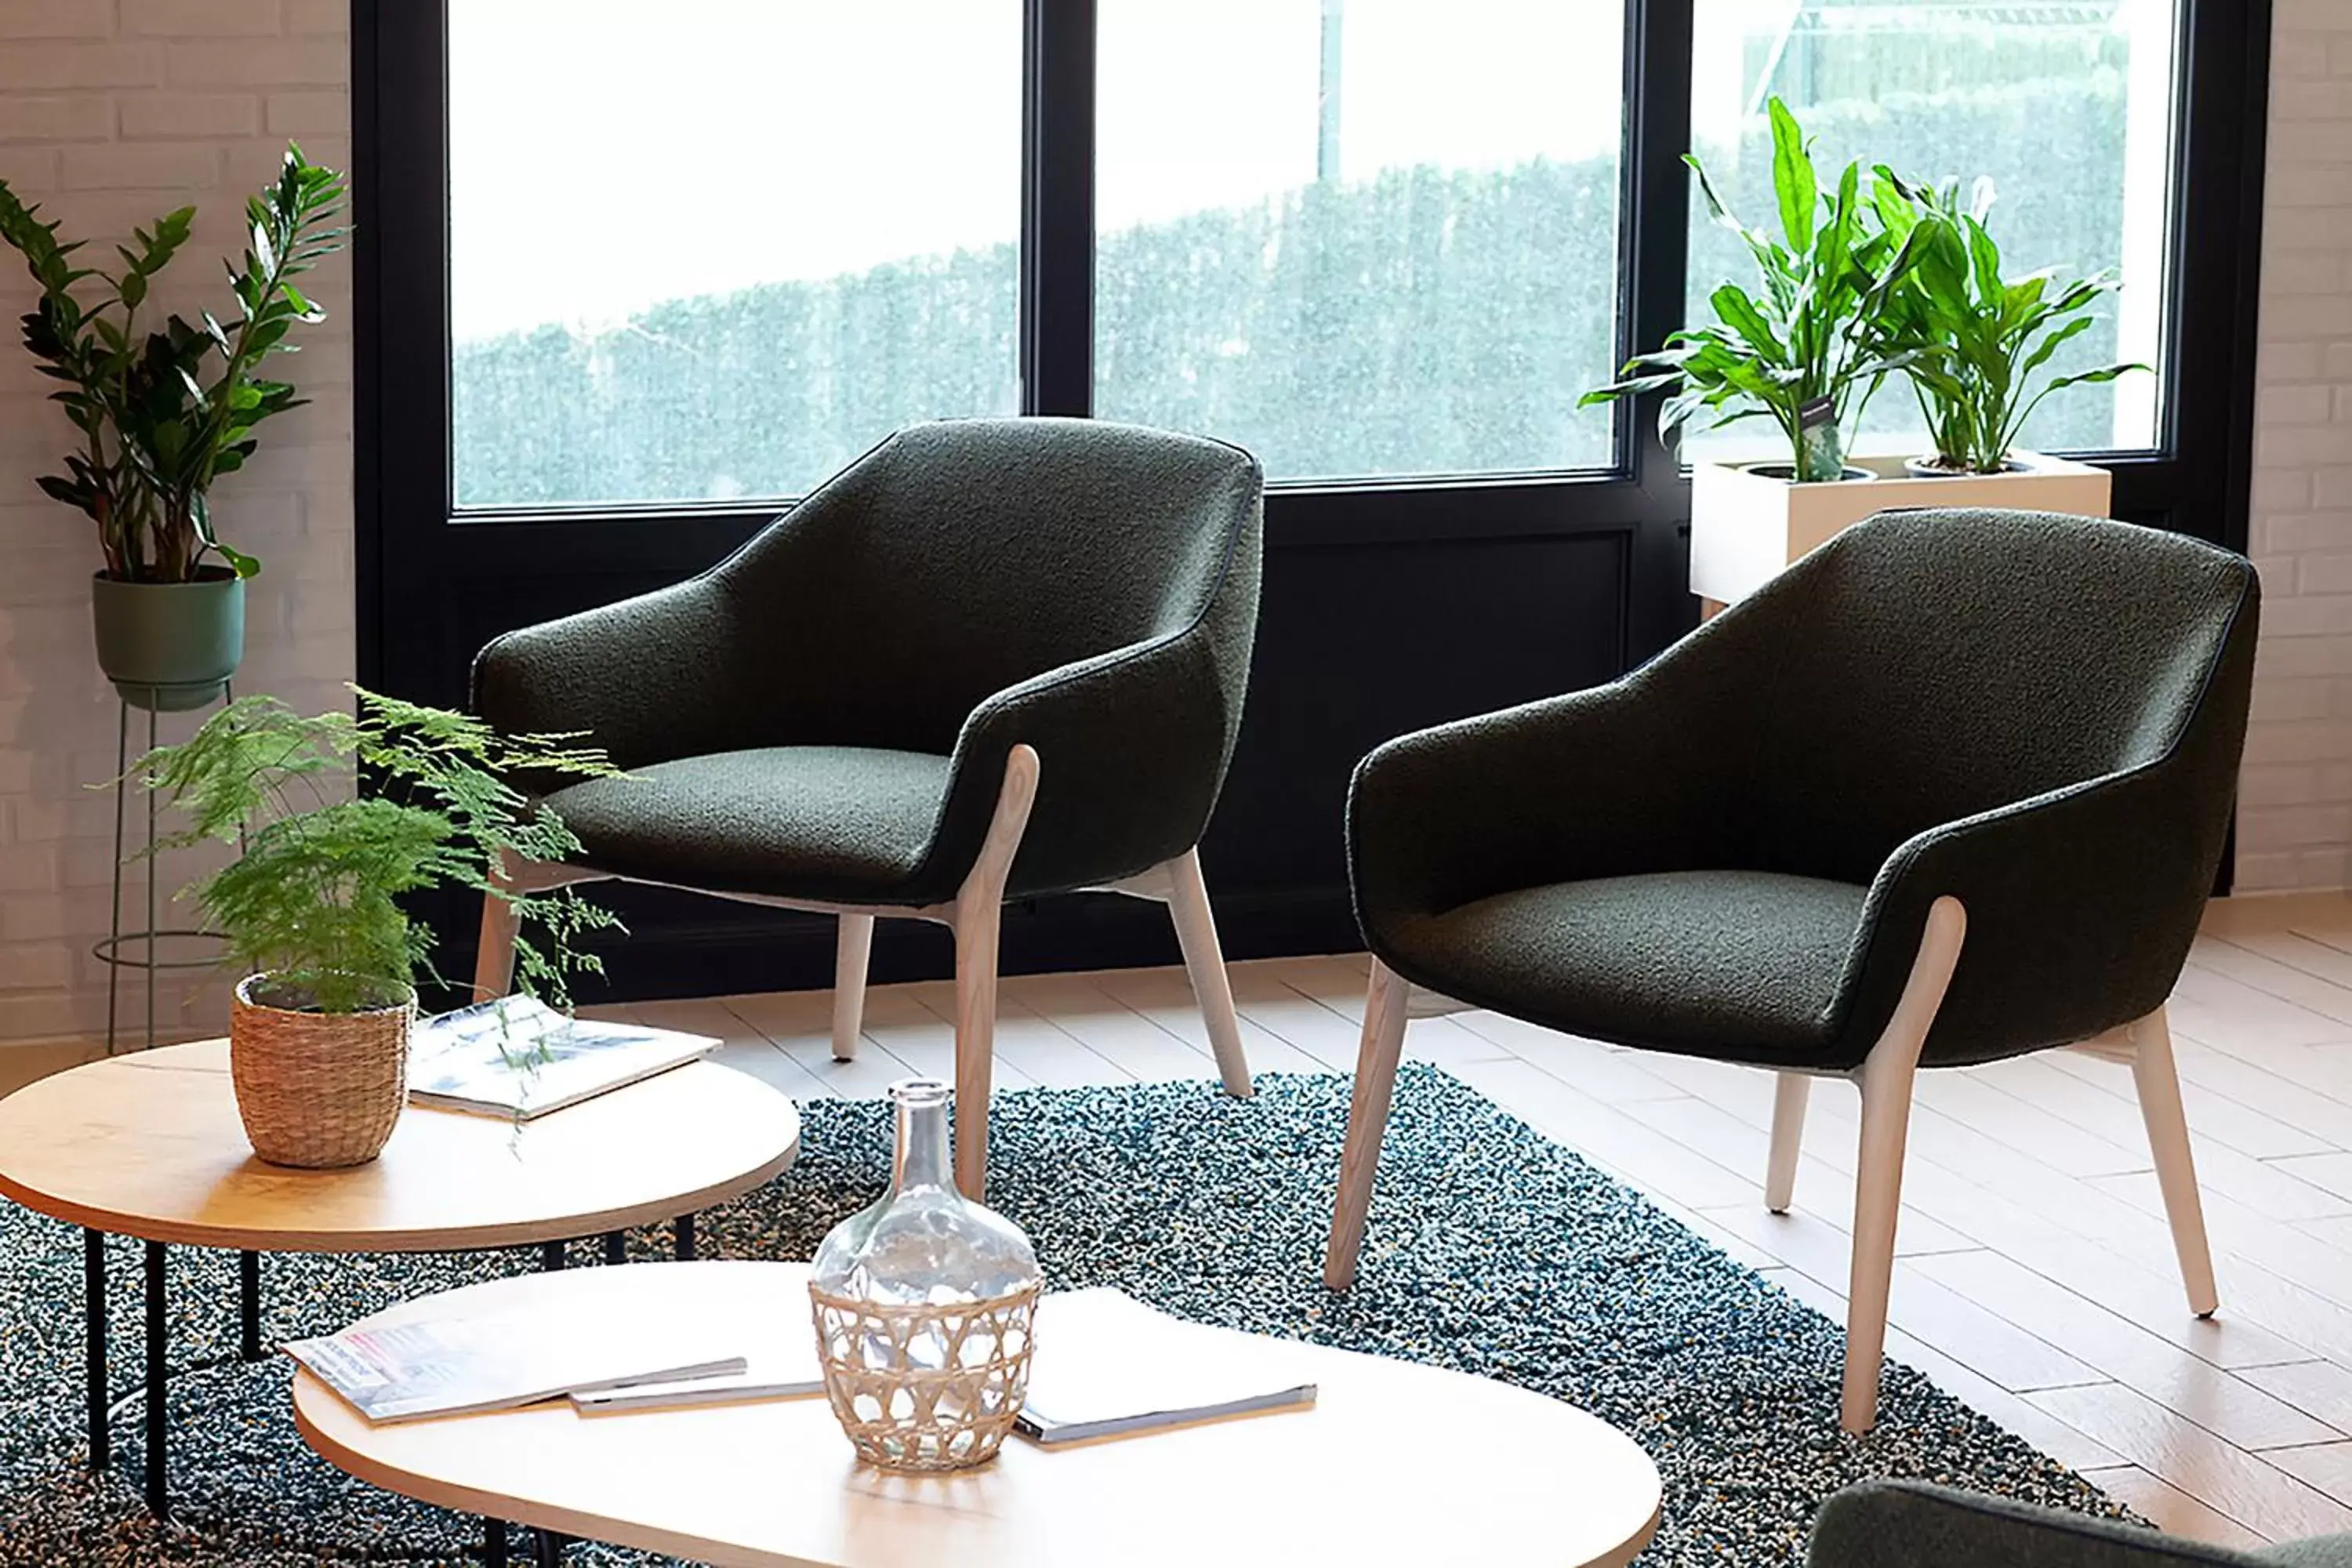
(923, 1304)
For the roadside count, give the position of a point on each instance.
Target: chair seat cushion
(833, 824)
(1745, 963)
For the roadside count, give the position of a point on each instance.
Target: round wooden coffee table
(1396, 1463)
(149, 1145)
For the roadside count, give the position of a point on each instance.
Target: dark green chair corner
(852, 712)
(1910, 1524)
(1954, 787)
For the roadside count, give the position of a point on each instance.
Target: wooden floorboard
(2036, 1277)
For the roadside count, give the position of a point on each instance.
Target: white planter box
(1745, 528)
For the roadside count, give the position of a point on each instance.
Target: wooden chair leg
(1885, 1078)
(1205, 961)
(1788, 1096)
(853, 945)
(979, 908)
(1367, 1116)
(2158, 1083)
(494, 954)
(975, 1045)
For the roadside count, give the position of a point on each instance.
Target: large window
(1361, 237)
(706, 249)
(2064, 106)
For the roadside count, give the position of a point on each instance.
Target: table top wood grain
(149, 1145)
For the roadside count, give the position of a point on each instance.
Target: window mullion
(1654, 233)
(1058, 202)
(1655, 214)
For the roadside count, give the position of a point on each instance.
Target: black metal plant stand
(114, 951)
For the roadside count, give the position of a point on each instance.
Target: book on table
(783, 1374)
(462, 1365)
(518, 1057)
(1108, 1366)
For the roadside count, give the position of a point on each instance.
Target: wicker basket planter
(318, 1090)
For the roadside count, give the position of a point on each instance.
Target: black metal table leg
(617, 1247)
(158, 1378)
(550, 1549)
(248, 1304)
(494, 1543)
(114, 931)
(550, 1256)
(93, 1344)
(686, 1238)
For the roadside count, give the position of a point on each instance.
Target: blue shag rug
(1492, 1250)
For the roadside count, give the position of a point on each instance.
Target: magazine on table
(1108, 1366)
(455, 1366)
(770, 1372)
(518, 1057)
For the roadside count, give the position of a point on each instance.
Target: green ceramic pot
(169, 646)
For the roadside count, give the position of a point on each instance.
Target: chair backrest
(1913, 1524)
(956, 558)
(1926, 666)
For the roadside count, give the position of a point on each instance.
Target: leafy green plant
(1976, 339)
(1810, 352)
(312, 899)
(163, 415)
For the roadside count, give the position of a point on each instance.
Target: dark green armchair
(1951, 788)
(990, 659)
(1910, 1524)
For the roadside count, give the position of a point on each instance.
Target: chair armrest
(638, 677)
(1908, 1525)
(1623, 778)
(2082, 905)
(1133, 746)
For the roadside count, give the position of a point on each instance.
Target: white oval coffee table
(149, 1145)
(1395, 1464)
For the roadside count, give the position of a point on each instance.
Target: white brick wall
(2295, 809)
(112, 112)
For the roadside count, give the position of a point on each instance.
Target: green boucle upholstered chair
(1951, 788)
(1910, 1524)
(854, 712)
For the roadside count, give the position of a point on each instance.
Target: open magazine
(453, 1366)
(1107, 1366)
(518, 1057)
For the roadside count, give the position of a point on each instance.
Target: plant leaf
(1794, 182)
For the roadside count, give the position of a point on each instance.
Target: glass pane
(2065, 105)
(713, 248)
(1360, 238)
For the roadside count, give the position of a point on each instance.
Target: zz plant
(312, 901)
(1807, 351)
(1976, 339)
(163, 413)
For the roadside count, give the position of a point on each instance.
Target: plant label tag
(1821, 453)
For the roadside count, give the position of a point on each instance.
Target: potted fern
(309, 907)
(163, 415)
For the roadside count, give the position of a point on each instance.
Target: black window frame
(408, 547)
